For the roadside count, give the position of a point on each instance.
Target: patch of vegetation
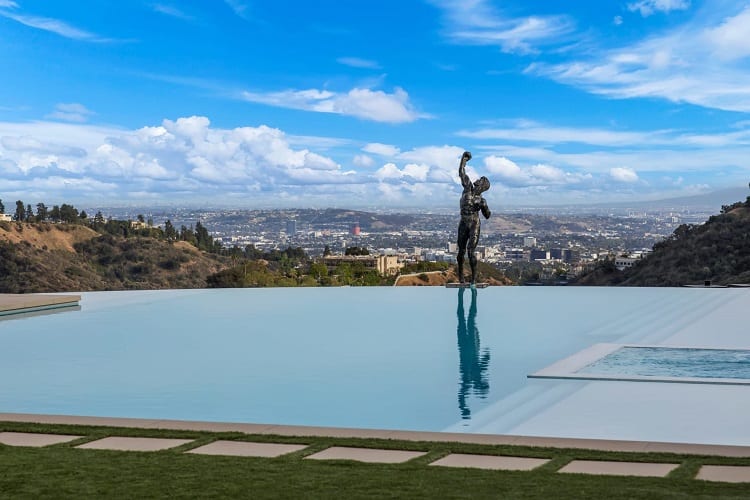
(61, 471)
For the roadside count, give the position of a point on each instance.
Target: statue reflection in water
(473, 360)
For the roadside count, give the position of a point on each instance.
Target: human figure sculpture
(472, 203)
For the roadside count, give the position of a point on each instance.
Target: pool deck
(450, 437)
(32, 302)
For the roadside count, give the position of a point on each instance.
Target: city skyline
(255, 104)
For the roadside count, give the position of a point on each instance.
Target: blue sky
(251, 103)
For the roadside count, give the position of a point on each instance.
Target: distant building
(291, 227)
(452, 247)
(6, 218)
(622, 263)
(515, 254)
(356, 230)
(386, 265)
(529, 242)
(136, 224)
(537, 254)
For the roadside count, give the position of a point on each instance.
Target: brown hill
(63, 257)
(487, 274)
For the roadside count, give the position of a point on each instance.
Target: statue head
(481, 185)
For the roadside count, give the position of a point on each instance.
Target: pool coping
(733, 451)
(568, 368)
(12, 304)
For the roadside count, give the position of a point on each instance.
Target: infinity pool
(412, 358)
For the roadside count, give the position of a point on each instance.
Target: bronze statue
(472, 203)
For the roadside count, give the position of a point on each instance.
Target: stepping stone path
(32, 439)
(725, 473)
(133, 444)
(247, 449)
(366, 455)
(490, 462)
(619, 468)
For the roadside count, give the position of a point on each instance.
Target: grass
(61, 471)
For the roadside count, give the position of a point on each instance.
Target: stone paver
(247, 449)
(33, 439)
(725, 473)
(366, 455)
(490, 462)
(133, 444)
(619, 468)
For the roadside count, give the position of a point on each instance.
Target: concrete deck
(133, 444)
(34, 439)
(449, 437)
(370, 455)
(247, 449)
(724, 473)
(490, 462)
(601, 467)
(31, 302)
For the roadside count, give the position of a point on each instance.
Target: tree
(29, 212)
(68, 213)
(169, 231)
(20, 215)
(326, 251)
(41, 212)
(141, 219)
(356, 251)
(99, 217)
(83, 215)
(54, 214)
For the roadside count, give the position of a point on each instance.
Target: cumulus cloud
(512, 175)
(364, 103)
(649, 7)
(363, 161)
(178, 156)
(623, 174)
(72, 112)
(381, 149)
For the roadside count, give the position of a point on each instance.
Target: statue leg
(473, 241)
(463, 239)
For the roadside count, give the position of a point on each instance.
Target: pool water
(674, 362)
(413, 358)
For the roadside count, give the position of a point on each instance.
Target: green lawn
(62, 471)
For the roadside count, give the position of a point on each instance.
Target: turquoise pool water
(674, 362)
(419, 358)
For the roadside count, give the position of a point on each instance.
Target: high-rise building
(529, 242)
(291, 227)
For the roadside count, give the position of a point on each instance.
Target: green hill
(718, 250)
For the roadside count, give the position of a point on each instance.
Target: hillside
(42, 257)
(486, 274)
(718, 250)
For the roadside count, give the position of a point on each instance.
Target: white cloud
(648, 7)
(702, 62)
(72, 112)
(356, 62)
(367, 104)
(623, 174)
(49, 24)
(8, 4)
(476, 22)
(171, 10)
(363, 161)
(511, 174)
(239, 7)
(617, 20)
(381, 149)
